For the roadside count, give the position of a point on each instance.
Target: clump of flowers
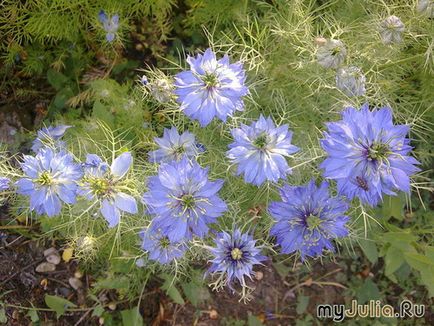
(234, 256)
(391, 30)
(173, 146)
(49, 136)
(260, 151)
(368, 155)
(159, 247)
(332, 54)
(103, 185)
(50, 179)
(211, 88)
(351, 81)
(110, 25)
(308, 219)
(182, 200)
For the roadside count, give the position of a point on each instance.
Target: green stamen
(44, 178)
(188, 201)
(99, 187)
(210, 80)
(378, 151)
(313, 222)
(164, 242)
(261, 141)
(236, 254)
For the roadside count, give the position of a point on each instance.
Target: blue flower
(49, 136)
(159, 246)
(260, 150)
(307, 219)
(51, 178)
(173, 146)
(183, 200)
(368, 155)
(234, 257)
(351, 81)
(4, 183)
(103, 184)
(110, 24)
(211, 88)
(391, 30)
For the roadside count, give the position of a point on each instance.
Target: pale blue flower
(50, 136)
(110, 24)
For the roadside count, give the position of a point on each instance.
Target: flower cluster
(368, 155)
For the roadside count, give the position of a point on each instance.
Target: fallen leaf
(67, 254)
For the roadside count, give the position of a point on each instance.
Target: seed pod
(351, 81)
(332, 54)
(391, 30)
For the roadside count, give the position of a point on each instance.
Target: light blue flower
(260, 149)
(50, 136)
(103, 184)
(51, 178)
(4, 183)
(391, 30)
(368, 155)
(174, 146)
(211, 88)
(159, 247)
(308, 219)
(235, 255)
(332, 54)
(351, 81)
(182, 200)
(110, 24)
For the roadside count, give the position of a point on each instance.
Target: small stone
(75, 283)
(213, 314)
(78, 274)
(101, 320)
(53, 259)
(50, 251)
(112, 306)
(45, 268)
(259, 275)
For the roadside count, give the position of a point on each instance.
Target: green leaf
(418, 261)
(101, 112)
(393, 206)
(302, 303)
(370, 250)
(252, 320)
(56, 79)
(3, 317)
(98, 311)
(171, 290)
(58, 304)
(427, 278)
(282, 269)
(195, 292)
(33, 315)
(368, 291)
(393, 260)
(62, 96)
(132, 317)
(113, 283)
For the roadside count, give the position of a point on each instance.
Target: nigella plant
(103, 185)
(368, 155)
(4, 183)
(182, 200)
(332, 54)
(351, 81)
(159, 247)
(260, 151)
(234, 256)
(50, 179)
(173, 146)
(308, 219)
(391, 30)
(210, 88)
(110, 24)
(50, 136)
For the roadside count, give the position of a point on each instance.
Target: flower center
(378, 151)
(44, 179)
(188, 202)
(210, 80)
(261, 141)
(335, 51)
(179, 150)
(164, 242)
(99, 187)
(236, 254)
(313, 222)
